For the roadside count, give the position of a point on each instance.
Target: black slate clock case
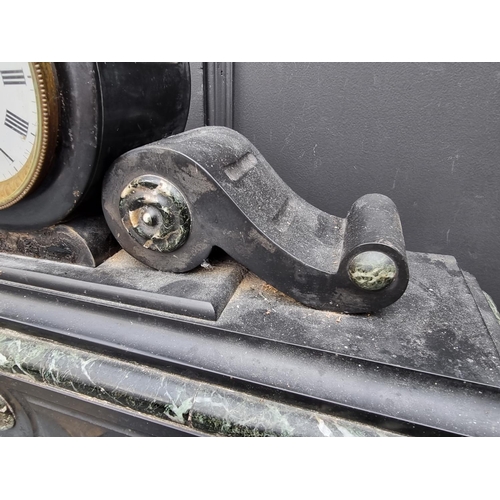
(105, 109)
(216, 350)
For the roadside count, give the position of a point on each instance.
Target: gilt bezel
(46, 94)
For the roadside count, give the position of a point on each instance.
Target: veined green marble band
(201, 406)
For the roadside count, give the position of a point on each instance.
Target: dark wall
(426, 135)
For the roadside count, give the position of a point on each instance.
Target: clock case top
(105, 109)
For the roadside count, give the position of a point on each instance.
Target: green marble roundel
(372, 270)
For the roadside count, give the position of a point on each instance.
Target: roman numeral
(16, 124)
(13, 77)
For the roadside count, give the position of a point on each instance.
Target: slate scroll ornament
(210, 187)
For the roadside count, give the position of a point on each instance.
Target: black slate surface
(430, 360)
(203, 292)
(435, 327)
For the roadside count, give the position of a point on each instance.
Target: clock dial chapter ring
(104, 110)
(38, 162)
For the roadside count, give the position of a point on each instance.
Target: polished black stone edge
(409, 396)
(117, 296)
(196, 405)
(486, 307)
(125, 283)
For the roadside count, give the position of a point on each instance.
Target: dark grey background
(425, 134)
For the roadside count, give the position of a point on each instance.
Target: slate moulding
(426, 365)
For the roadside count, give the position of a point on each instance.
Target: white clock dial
(18, 117)
(28, 127)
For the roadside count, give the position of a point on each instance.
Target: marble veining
(208, 408)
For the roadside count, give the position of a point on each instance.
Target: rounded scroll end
(374, 262)
(155, 213)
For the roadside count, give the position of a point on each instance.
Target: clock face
(28, 127)
(62, 124)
